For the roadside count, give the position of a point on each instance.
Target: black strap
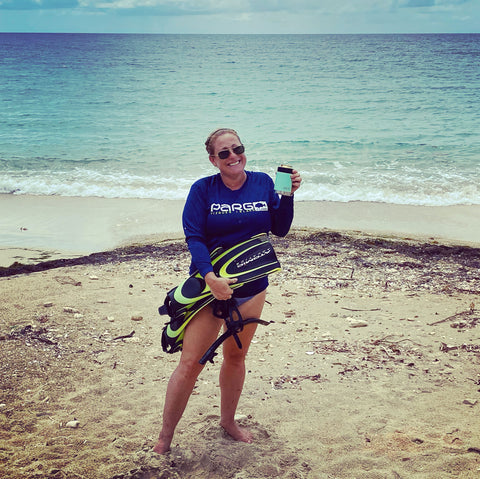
(229, 312)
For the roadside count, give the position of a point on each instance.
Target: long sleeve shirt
(216, 216)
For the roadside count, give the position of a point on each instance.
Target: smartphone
(283, 181)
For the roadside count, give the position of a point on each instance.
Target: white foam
(407, 186)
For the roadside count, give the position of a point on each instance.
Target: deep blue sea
(385, 118)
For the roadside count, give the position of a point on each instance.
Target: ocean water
(384, 118)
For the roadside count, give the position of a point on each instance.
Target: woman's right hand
(220, 287)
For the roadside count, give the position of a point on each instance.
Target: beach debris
(357, 323)
(374, 309)
(463, 319)
(470, 402)
(336, 278)
(30, 333)
(120, 442)
(93, 277)
(70, 310)
(67, 280)
(363, 355)
(327, 336)
(465, 347)
(48, 304)
(389, 342)
(137, 317)
(72, 424)
(124, 336)
(284, 382)
(42, 318)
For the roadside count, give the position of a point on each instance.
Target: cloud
(235, 7)
(37, 4)
(431, 3)
(419, 3)
(208, 7)
(155, 7)
(166, 7)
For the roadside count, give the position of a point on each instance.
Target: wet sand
(35, 228)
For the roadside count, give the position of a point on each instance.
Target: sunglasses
(224, 154)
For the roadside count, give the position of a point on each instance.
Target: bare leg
(199, 335)
(232, 373)
(179, 389)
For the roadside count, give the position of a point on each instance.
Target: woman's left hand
(296, 180)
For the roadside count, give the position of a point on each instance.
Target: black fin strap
(165, 307)
(234, 323)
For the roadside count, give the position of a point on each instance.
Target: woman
(223, 210)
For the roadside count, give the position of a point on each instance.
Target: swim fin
(234, 323)
(247, 261)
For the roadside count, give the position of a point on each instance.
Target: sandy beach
(370, 369)
(38, 228)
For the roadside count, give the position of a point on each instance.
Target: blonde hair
(209, 144)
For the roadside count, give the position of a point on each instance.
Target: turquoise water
(386, 118)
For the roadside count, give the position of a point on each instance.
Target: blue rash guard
(216, 216)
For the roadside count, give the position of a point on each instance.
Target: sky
(241, 16)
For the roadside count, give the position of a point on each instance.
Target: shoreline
(161, 248)
(41, 228)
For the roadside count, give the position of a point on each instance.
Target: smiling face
(234, 164)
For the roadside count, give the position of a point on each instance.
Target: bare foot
(162, 446)
(238, 433)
